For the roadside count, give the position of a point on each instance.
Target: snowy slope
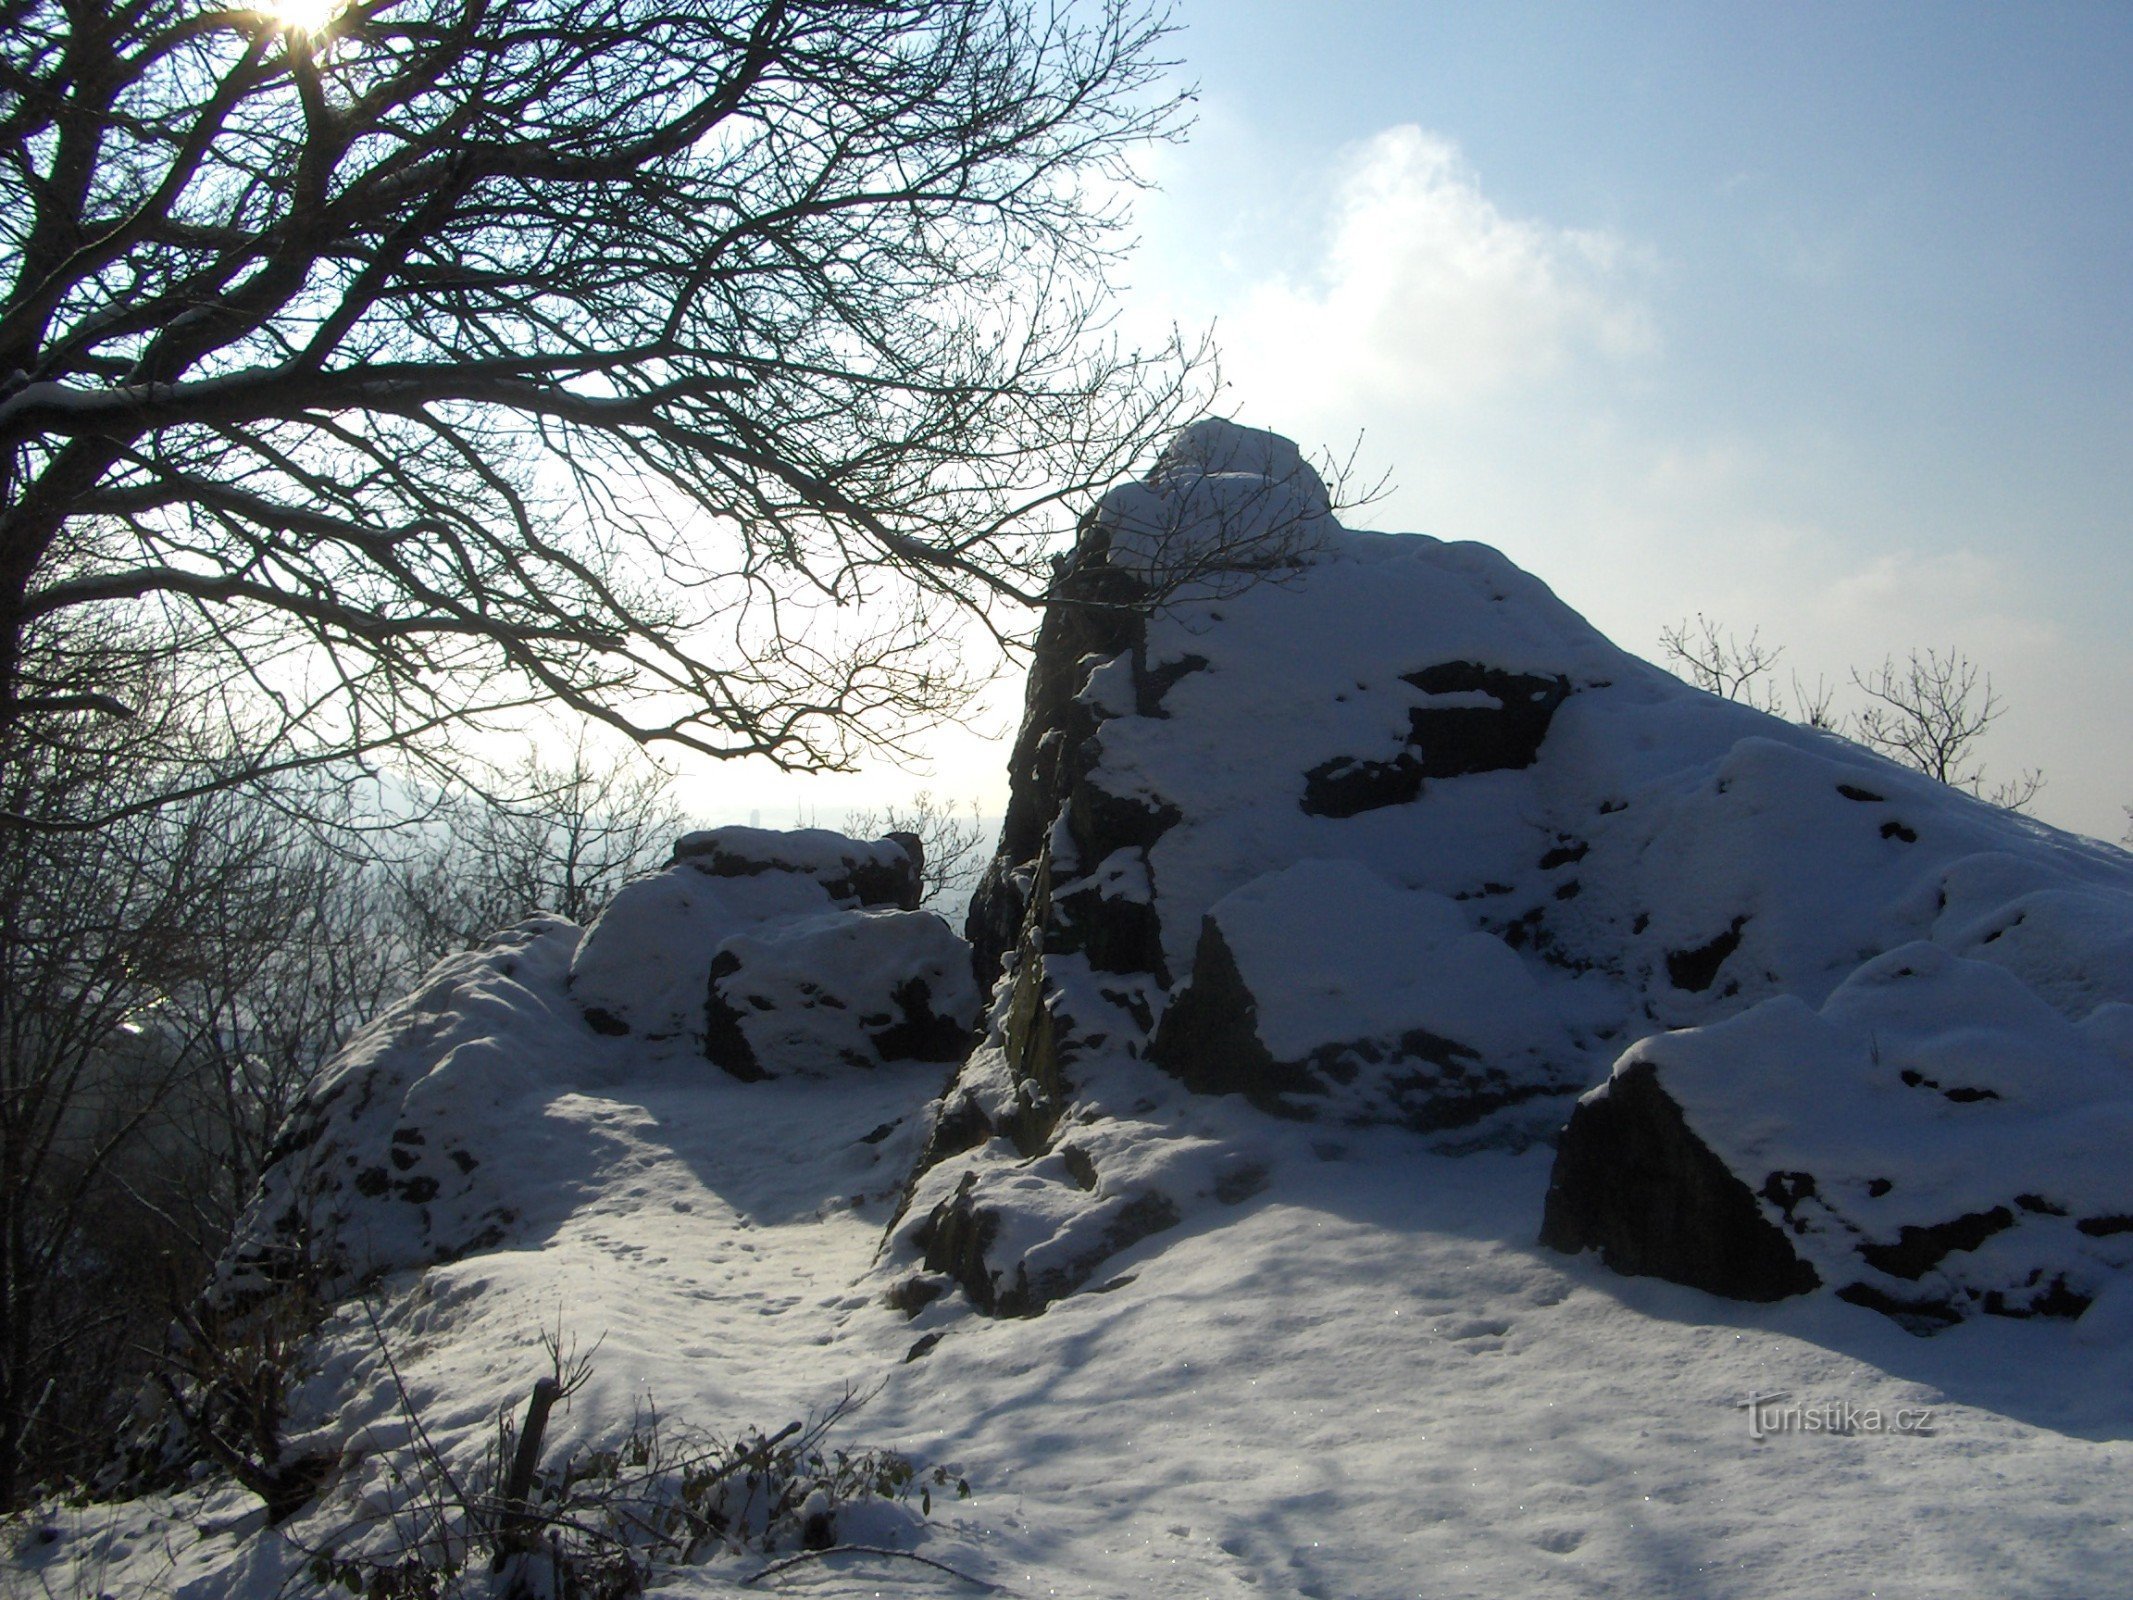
(1325, 902)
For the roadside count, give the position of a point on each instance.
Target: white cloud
(1428, 295)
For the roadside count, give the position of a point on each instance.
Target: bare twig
(882, 1551)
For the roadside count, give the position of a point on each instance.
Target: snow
(646, 962)
(1367, 1381)
(819, 853)
(1346, 1369)
(1332, 952)
(841, 989)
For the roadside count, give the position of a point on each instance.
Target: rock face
(1352, 828)
(1633, 1181)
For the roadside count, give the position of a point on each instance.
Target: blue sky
(1812, 318)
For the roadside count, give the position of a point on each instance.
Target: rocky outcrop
(1368, 829)
(1149, 939)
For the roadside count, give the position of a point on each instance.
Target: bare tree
(1720, 663)
(564, 841)
(680, 361)
(954, 843)
(97, 933)
(1930, 714)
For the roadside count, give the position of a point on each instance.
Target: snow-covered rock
(881, 872)
(1934, 1140)
(849, 988)
(1390, 834)
(645, 964)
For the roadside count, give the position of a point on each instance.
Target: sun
(306, 16)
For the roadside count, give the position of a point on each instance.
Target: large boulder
(1934, 1141)
(1324, 991)
(644, 966)
(807, 995)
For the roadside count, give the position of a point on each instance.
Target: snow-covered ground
(1398, 821)
(1366, 1380)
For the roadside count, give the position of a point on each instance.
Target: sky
(1816, 320)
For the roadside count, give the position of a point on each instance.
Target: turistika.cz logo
(1770, 1414)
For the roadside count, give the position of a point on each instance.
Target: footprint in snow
(1477, 1330)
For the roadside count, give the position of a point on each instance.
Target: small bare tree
(954, 843)
(1719, 662)
(563, 838)
(1930, 714)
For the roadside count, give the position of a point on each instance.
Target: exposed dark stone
(1151, 686)
(1236, 1184)
(954, 1238)
(1347, 787)
(959, 1126)
(1786, 1191)
(919, 1034)
(1117, 934)
(878, 1134)
(1101, 822)
(601, 1020)
(1892, 829)
(1918, 1250)
(1029, 1034)
(724, 1040)
(1078, 1164)
(1851, 792)
(1443, 741)
(1961, 1095)
(913, 1294)
(1694, 970)
(2104, 1227)
(1093, 611)
(866, 880)
(1454, 740)
(1633, 1181)
(1209, 1037)
(1923, 1316)
(1564, 854)
(2056, 1299)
